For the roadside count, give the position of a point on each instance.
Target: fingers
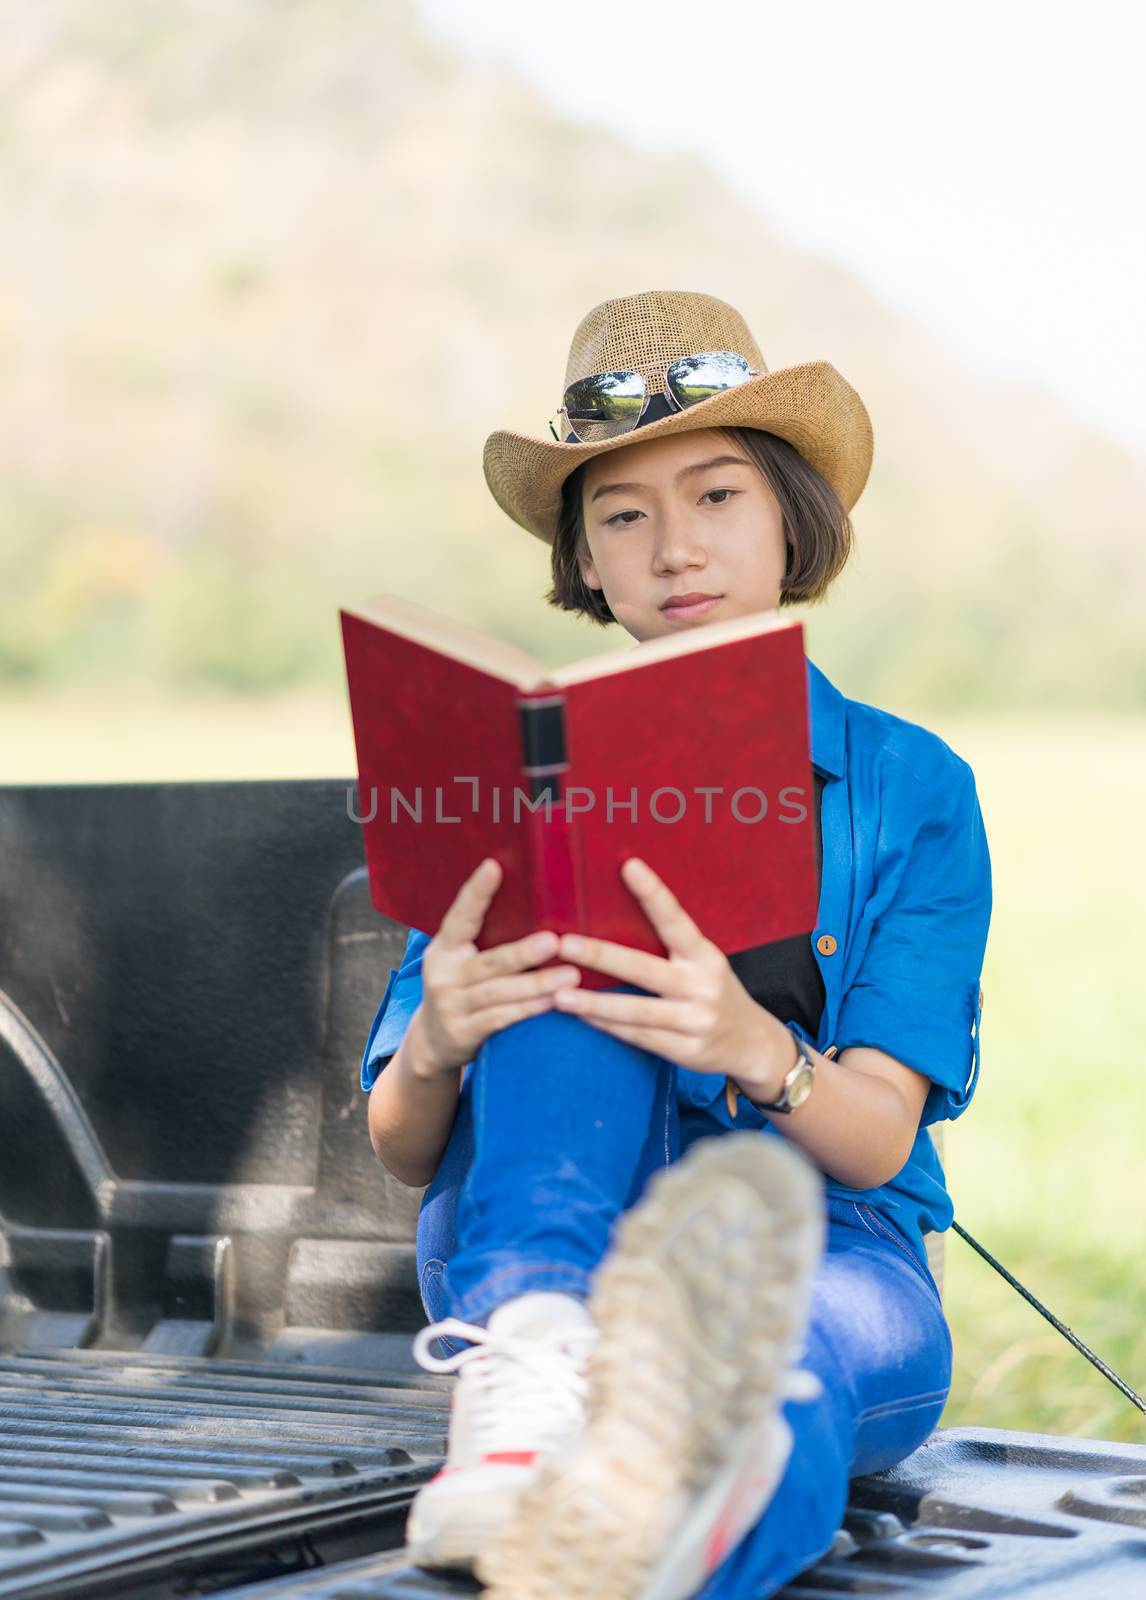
(633, 1010)
(462, 922)
(499, 1002)
(677, 931)
(622, 961)
(498, 1017)
(455, 1034)
(513, 957)
(504, 991)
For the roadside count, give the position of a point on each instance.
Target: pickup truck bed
(207, 1285)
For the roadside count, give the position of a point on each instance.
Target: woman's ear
(588, 570)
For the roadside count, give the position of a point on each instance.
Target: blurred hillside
(271, 272)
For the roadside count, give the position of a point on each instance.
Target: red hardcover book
(690, 751)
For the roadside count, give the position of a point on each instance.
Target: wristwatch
(797, 1085)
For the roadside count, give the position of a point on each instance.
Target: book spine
(544, 763)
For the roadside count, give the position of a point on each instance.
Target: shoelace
(798, 1383)
(540, 1409)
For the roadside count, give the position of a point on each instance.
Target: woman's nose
(678, 547)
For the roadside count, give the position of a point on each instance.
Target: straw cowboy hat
(810, 405)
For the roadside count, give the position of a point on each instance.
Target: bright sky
(982, 165)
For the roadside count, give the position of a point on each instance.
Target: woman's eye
(618, 519)
(727, 492)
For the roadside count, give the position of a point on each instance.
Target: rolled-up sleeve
(917, 994)
(401, 1000)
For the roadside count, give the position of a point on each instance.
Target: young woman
(667, 1377)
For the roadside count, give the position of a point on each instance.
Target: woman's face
(687, 514)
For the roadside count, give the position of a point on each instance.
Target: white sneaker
(519, 1399)
(702, 1307)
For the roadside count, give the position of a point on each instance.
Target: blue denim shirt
(905, 904)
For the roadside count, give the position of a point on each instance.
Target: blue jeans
(559, 1126)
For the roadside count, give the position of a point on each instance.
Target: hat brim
(810, 405)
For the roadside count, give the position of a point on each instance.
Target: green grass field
(1046, 1166)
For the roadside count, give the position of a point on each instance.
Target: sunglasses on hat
(606, 405)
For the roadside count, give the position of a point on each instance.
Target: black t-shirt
(784, 976)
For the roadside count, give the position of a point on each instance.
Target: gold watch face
(801, 1085)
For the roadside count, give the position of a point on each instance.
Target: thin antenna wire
(1066, 1332)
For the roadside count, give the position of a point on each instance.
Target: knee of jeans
(546, 1022)
(529, 1029)
(884, 1438)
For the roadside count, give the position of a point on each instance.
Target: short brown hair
(816, 526)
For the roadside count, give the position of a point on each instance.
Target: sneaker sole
(701, 1308)
(452, 1518)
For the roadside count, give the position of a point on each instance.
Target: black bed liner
(975, 1514)
(207, 1282)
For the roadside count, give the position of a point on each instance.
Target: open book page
(449, 637)
(669, 646)
(465, 643)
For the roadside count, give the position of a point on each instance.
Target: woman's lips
(695, 608)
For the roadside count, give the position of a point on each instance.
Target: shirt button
(826, 945)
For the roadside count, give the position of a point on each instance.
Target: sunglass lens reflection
(604, 405)
(695, 378)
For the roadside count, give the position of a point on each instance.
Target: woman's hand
(468, 993)
(699, 1014)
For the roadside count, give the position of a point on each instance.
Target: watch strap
(783, 1105)
(732, 1090)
